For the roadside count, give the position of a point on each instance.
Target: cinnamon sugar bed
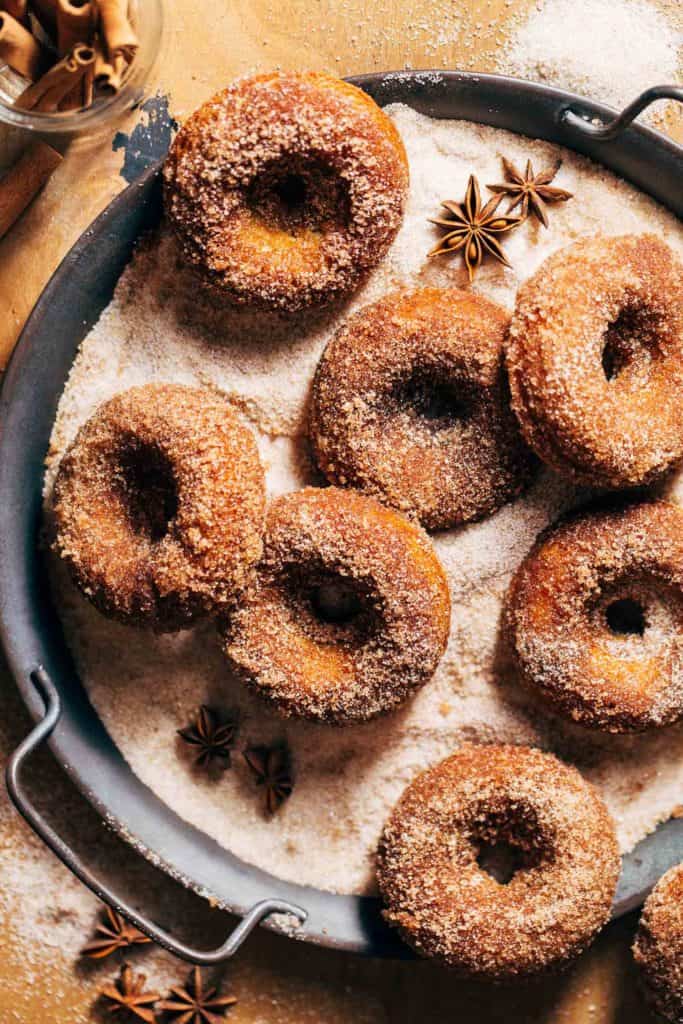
(160, 327)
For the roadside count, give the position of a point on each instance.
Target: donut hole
(630, 343)
(296, 195)
(508, 842)
(437, 402)
(330, 605)
(639, 618)
(291, 191)
(500, 860)
(147, 489)
(336, 600)
(626, 617)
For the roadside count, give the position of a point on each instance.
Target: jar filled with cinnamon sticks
(72, 66)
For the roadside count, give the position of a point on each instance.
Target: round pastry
(595, 358)
(285, 189)
(411, 404)
(595, 617)
(351, 611)
(159, 506)
(658, 949)
(500, 862)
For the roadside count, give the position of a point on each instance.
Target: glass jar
(105, 110)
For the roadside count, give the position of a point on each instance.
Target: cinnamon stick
(75, 23)
(67, 92)
(81, 94)
(48, 92)
(119, 35)
(24, 180)
(20, 49)
(108, 74)
(87, 88)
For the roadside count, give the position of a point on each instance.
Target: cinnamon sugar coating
(595, 617)
(286, 189)
(411, 404)
(159, 504)
(658, 948)
(595, 359)
(351, 611)
(481, 800)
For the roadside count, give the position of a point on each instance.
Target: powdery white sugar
(609, 50)
(160, 327)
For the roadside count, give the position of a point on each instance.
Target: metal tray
(29, 627)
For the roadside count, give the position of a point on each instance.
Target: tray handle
(205, 958)
(607, 130)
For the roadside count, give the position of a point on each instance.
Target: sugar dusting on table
(580, 45)
(160, 327)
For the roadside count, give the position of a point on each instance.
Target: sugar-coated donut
(595, 617)
(411, 404)
(658, 948)
(350, 613)
(159, 505)
(540, 828)
(286, 188)
(596, 360)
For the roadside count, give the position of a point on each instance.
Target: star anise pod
(193, 1005)
(214, 740)
(472, 229)
(114, 933)
(128, 994)
(531, 190)
(271, 767)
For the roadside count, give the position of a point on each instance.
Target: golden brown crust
(286, 188)
(620, 566)
(286, 640)
(595, 359)
(658, 948)
(448, 907)
(410, 404)
(159, 505)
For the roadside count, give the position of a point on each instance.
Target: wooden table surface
(274, 979)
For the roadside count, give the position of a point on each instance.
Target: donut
(286, 189)
(658, 947)
(350, 613)
(500, 862)
(594, 616)
(158, 506)
(595, 358)
(410, 404)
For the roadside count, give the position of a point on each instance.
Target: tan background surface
(275, 981)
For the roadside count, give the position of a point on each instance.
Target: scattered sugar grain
(607, 50)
